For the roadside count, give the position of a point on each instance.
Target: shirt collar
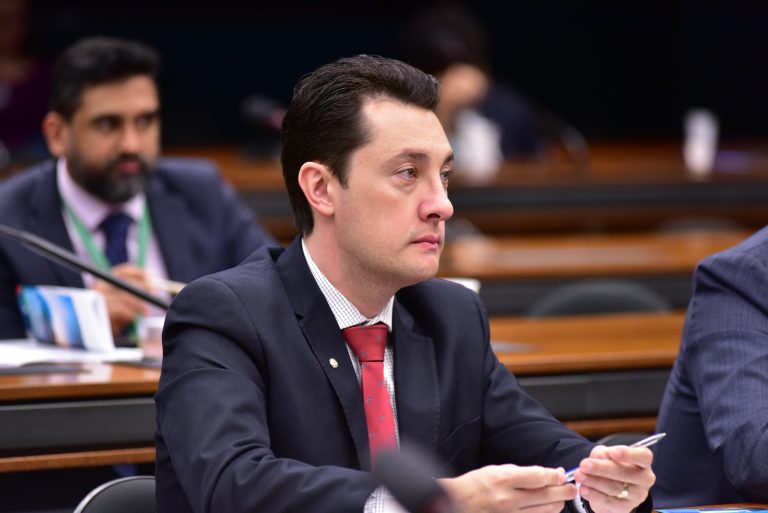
(89, 209)
(344, 311)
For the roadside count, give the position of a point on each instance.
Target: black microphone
(409, 480)
(72, 261)
(572, 140)
(264, 118)
(264, 112)
(557, 129)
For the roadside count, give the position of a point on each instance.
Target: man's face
(390, 219)
(113, 139)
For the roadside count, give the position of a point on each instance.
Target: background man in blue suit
(715, 407)
(178, 219)
(259, 406)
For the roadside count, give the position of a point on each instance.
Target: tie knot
(368, 342)
(115, 222)
(115, 227)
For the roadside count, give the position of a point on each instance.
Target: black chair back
(135, 494)
(599, 296)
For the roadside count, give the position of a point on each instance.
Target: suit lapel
(46, 220)
(171, 232)
(325, 341)
(416, 382)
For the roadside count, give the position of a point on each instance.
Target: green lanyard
(98, 257)
(96, 254)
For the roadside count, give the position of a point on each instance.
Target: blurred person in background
(486, 122)
(109, 196)
(24, 83)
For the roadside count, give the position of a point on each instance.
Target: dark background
(615, 70)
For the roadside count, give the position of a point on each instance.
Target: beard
(108, 183)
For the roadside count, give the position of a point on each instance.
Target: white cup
(151, 335)
(700, 147)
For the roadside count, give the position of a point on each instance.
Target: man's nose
(437, 206)
(130, 140)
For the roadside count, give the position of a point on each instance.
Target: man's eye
(408, 173)
(106, 124)
(145, 121)
(446, 176)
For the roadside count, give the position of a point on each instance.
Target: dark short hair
(324, 121)
(96, 61)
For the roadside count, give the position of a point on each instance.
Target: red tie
(368, 343)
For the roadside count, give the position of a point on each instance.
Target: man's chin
(124, 188)
(421, 273)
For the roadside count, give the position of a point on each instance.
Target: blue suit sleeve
(726, 350)
(245, 232)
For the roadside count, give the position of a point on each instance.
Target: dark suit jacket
(715, 407)
(252, 417)
(199, 224)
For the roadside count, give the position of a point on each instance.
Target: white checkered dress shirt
(347, 315)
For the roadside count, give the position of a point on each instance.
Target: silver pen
(645, 442)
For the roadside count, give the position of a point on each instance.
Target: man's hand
(121, 306)
(509, 488)
(616, 479)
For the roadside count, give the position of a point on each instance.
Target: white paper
(21, 352)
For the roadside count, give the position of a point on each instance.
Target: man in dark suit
(715, 407)
(179, 220)
(259, 406)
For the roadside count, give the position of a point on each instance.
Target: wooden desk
(98, 380)
(624, 186)
(102, 416)
(600, 374)
(594, 343)
(516, 271)
(583, 255)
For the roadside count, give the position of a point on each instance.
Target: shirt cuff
(382, 501)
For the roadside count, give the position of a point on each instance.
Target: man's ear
(317, 182)
(56, 132)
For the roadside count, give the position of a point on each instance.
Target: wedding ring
(624, 493)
